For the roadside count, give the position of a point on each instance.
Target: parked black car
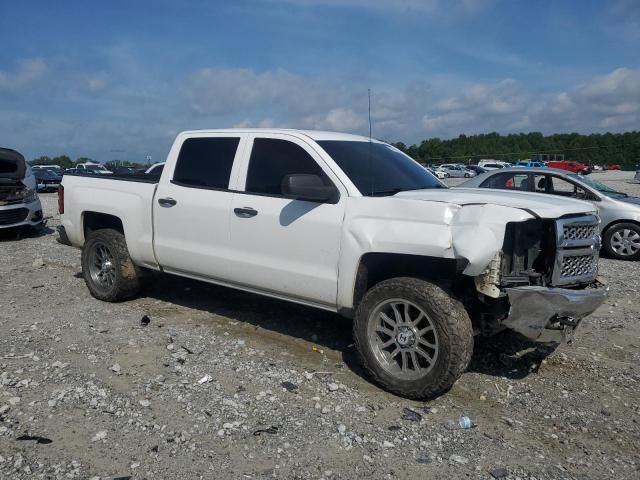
(47, 180)
(125, 171)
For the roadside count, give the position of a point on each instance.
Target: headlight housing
(25, 195)
(30, 195)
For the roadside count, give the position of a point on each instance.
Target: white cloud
(27, 73)
(95, 113)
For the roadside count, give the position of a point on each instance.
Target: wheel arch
(376, 267)
(617, 222)
(92, 221)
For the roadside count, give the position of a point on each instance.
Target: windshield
(379, 169)
(601, 187)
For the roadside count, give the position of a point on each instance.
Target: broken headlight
(27, 195)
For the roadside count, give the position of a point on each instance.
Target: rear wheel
(622, 241)
(108, 270)
(413, 337)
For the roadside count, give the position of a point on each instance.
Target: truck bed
(134, 177)
(128, 198)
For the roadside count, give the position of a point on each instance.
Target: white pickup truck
(350, 225)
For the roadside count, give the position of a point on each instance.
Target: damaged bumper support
(548, 314)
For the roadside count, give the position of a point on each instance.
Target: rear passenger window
(272, 159)
(508, 181)
(206, 162)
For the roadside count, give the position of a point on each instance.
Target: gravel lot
(224, 384)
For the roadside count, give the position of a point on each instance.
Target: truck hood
(541, 204)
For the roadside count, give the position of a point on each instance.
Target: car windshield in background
(601, 187)
(378, 169)
(94, 167)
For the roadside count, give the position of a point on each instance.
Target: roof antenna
(370, 141)
(369, 92)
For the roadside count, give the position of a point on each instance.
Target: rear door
(288, 247)
(193, 203)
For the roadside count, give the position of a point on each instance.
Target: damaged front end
(19, 204)
(543, 282)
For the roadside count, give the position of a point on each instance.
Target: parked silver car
(620, 213)
(456, 171)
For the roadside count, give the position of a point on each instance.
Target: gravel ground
(196, 381)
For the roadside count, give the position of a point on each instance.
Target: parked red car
(574, 167)
(613, 167)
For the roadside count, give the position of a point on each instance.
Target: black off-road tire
(451, 322)
(607, 237)
(126, 283)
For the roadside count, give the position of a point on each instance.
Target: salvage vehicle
(19, 202)
(619, 213)
(350, 225)
(438, 173)
(47, 180)
(493, 164)
(94, 168)
(456, 171)
(55, 168)
(476, 169)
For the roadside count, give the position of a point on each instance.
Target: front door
(288, 247)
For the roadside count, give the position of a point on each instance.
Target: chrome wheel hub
(406, 337)
(101, 266)
(403, 338)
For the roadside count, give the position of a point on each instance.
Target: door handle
(167, 202)
(245, 212)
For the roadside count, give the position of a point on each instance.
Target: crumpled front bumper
(547, 314)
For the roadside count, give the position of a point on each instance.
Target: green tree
(594, 149)
(63, 160)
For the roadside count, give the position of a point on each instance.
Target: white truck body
(313, 252)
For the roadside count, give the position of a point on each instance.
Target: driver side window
(272, 159)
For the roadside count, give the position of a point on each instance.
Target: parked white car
(19, 202)
(438, 173)
(348, 225)
(456, 171)
(55, 168)
(95, 168)
(493, 164)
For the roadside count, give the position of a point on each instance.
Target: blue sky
(118, 79)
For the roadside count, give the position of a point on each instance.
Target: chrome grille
(580, 232)
(578, 246)
(579, 265)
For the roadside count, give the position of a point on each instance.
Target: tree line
(594, 149)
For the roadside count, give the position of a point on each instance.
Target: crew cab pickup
(350, 225)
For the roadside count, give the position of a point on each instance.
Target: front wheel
(413, 337)
(108, 270)
(622, 241)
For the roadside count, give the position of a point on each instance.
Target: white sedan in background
(456, 171)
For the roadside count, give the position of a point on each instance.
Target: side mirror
(301, 186)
